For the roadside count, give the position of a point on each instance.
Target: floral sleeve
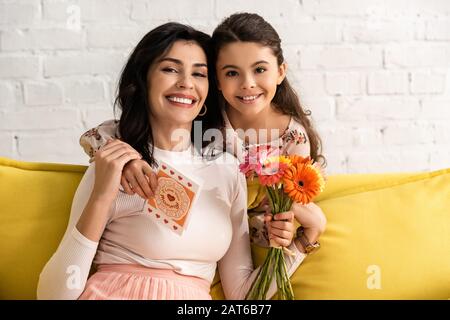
(96, 137)
(296, 141)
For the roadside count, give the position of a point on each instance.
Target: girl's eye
(231, 74)
(260, 70)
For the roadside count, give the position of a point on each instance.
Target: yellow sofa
(388, 235)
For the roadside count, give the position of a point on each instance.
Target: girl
(261, 108)
(257, 101)
(163, 88)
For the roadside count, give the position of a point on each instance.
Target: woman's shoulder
(220, 158)
(224, 164)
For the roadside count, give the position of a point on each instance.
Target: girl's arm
(138, 176)
(93, 139)
(310, 216)
(236, 266)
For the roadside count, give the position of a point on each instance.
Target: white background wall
(374, 73)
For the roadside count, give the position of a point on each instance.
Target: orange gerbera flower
(302, 182)
(299, 159)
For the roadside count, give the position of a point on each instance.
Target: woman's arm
(110, 160)
(65, 274)
(236, 266)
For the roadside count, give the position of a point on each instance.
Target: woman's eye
(231, 74)
(169, 70)
(260, 70)
(199, 74)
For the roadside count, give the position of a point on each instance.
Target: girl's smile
(249, 99)
(248, 82)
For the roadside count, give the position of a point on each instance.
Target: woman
(163, 88)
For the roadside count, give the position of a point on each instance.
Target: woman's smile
(182, 100)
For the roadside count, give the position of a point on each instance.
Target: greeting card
(174, 197)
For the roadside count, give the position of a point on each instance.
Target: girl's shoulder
(96, 137)
(295, 133)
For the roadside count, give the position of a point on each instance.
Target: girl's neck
(269, 124)
(171, 137)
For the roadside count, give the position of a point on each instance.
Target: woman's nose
(185, 82)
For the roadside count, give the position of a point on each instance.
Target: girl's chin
(250, 110)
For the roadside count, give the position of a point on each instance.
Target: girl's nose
(248, 83)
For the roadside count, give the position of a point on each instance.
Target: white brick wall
(375, 74)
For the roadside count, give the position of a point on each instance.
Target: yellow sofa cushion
(385, 240)
(35, 200)
(394, 224)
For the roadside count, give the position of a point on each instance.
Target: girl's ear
(282, 69)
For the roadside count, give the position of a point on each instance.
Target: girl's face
(178, 84)
(248, 75)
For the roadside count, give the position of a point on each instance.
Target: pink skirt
(136, 282)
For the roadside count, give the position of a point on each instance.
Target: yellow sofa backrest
(387, 235)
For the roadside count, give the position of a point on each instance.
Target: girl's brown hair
(249, 27)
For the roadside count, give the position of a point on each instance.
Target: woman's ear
(282, 69)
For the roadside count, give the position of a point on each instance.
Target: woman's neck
(268, 125)
(171, 137)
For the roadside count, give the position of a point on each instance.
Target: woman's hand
(281, 228)
(138, 177)
(109, 163)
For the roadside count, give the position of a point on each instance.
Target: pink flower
(272, 173)
(249, 169)
(255, 158)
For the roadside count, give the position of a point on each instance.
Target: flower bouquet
(286, 179)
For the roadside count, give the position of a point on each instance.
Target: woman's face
(178, 84)
(248, 74)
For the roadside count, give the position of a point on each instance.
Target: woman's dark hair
(248, 27)
(132, 96)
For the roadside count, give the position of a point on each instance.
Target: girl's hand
(109, 163)
(281, 228)
(138, 177)
(312, 218)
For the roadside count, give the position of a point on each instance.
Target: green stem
(274, 265)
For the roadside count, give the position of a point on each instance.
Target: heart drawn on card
(174, 198)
